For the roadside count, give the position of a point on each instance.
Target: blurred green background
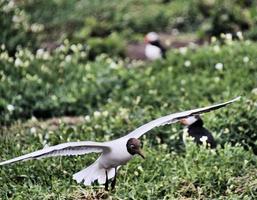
(65, 76)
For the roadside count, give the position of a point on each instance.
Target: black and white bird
(154, 49)
(196, 130)
(113, 153)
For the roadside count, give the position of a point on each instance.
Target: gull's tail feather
(93, 173)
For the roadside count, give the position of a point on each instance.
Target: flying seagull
(195, 129)
(113, 153)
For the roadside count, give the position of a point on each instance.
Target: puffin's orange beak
(146, 40)
(183, 121)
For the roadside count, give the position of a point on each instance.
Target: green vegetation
(86, 75)
(115, 100)
(36, 23)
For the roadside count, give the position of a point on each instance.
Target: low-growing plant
(114, 100)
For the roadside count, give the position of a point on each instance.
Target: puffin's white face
(151, 37)
(188, 121)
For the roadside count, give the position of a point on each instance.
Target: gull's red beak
(141, 153)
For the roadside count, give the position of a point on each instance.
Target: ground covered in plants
(66, 94)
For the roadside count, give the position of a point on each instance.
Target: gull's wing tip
(3, 163)
(236, 99)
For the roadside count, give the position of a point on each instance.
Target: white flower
(9, 6)
(216, 48)
(18, 62)
(113, 65)
(4, 56)
(158, 140)
(183, 50)
(164, 146)
(185, 135)
(16, 19)
(83, 54)
(216, 79)
(140, 168)
(254, 91)
(97, 114)
(33, 119)
(187, 63)
(240, 35)
(226, 130)
(97, 126)
(74, 48)
(246, 59)
(219, 66)
(40, 52)
(203, 139)
(3, 46)
(228, 36)
(87, 118)
(123, 112)
(68, 58)
(33, 130)
(138, 99)
(213, 39)
(61, 47)
(10, 108)
(183, 82)
(36, 27)
(10, 59)
(105, 113)
(174, 129)
(153, 92)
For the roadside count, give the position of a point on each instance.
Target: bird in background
(151, 49)
(195, 129)
(154, 49)
(113, 153)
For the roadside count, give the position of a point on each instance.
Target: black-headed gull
(154, 49)
(113, 153)
(194, 128)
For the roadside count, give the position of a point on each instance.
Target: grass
(42, 94)
(229, 172)
(138, 94)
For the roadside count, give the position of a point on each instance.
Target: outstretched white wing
(172, 118)
(65, 149)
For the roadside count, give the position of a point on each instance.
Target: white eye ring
(132, 146)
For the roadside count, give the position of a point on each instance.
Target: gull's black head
(134, 147)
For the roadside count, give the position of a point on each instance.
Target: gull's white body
(117, 156)
(113, 153)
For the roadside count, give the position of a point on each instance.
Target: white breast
(152, 52)
(118, 155)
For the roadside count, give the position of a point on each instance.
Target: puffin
(195, 129)
(154, 49)
(114, 153)
(151, 49)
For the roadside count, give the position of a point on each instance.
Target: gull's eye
(132, 146)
